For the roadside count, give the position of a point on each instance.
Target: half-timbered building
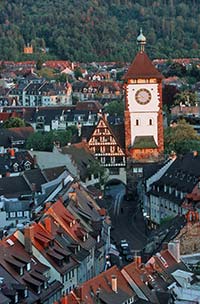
(107, 145)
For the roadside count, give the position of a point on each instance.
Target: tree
(44, 141)
(181, 138)
(176, 69)
(186, 98)
(115, 108)
(96, 168)
(39, 64)
(78, 73)
(14, 122)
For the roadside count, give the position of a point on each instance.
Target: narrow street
(127, 219)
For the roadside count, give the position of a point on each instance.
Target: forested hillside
(95, 30)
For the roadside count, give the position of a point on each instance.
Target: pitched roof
(9, 136)
(142, 67)
(182, 175)
(144, 142)
(14, 186)
(101, 286)
(81, 155)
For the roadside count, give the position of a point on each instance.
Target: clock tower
(143, 108)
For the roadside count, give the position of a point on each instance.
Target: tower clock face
(143, 96)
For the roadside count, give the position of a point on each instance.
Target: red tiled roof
(142, 67)
(102, 282)
(64, 218)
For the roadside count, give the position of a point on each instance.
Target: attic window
(21, 271)
(15, 167)
(16, 297)
(28, 266)
(27, 165)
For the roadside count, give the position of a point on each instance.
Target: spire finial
(141, 41)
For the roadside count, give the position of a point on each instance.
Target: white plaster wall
(143, 112)
(144, 129)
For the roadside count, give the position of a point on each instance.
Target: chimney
(137, 260)
(12, 153)
(48, 224)
(28, 237)
(35, 161)
(114, 283)
(33, 187)
(174, 249)
(164, 246)
(64, 300)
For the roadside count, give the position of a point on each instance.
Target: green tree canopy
(14, 122)
(181, 138)
(96, 168)
(78, 73)
(44, 141)
(100, 30)
(115, 108)
(186, 98)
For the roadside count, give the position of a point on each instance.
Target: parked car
(129, 257)
(124, 244)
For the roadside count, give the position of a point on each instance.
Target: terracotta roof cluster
(135, 283)
(57, 242)
(58, 64)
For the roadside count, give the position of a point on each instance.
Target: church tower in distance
(143, 108)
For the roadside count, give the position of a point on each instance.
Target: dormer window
(84, 238)
(21, 271)
(79, 248)
(51, 243)
(15, 167)
(39, 289)
(28, 266)
(27, 165)
(16, 297)
(26, 292)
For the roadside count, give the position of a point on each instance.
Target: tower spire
(141, 41)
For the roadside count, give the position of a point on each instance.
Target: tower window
(137, 122)
(150, 122)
